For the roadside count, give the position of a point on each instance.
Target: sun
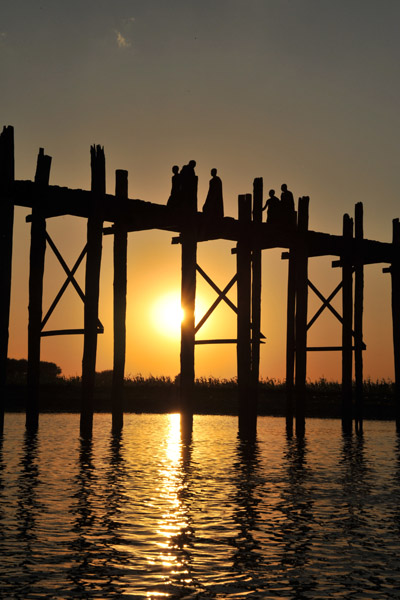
(167, 314)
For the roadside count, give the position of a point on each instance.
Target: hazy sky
(303, 91)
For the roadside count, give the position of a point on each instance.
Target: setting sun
(167, 314)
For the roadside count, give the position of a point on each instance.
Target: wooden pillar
(120, 271)
(395, 275)
(290, 339)
(301, 281)
(188, 299)
(358, 316)
(247, 406)
(36, 272)
(92, 285)
(6, 240)
(347, 336)
(256, 289)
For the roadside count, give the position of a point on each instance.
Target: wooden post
(6, 240)
(256, 290)
(36, 272)
(395, 275)
(247, 406)
(120, 270)
(301, 281)
(358, 316)
(347, 336)
(92, 285)
(290, 339)
(188, 299)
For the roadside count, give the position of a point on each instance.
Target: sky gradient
(304, 92)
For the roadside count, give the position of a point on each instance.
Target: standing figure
(175, 197)
(273, 204)
(287, 206)
(188, 186)
(213, 207)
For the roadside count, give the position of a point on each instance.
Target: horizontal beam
(222, 341)
(66, 332)
(329, 348)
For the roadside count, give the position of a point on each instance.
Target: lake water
(147, 515)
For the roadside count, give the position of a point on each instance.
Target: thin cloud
(122, 42)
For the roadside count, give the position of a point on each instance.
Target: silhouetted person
(273, 206)
(287, 205)
(213, 207)
(188, 186)
(175, 197)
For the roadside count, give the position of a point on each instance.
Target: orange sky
(304, 93)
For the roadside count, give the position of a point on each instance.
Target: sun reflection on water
(174, 531)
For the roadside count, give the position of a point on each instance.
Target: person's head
(271, 193)
(283, 187)
(192, 163)
(213, 172)
(175, 169)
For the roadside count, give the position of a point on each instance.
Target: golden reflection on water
(173, 526)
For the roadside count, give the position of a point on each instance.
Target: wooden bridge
(251, 236)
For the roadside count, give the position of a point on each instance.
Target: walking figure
(273, 206)
(213, 207)
(188, 186)
(175, 197)
(287, 206)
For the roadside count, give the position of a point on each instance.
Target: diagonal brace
(70, 279)
(221, 296)
(325, 302)
(216, 288)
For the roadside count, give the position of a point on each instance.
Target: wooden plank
(395, 275)
(36, 272)
(6, 242)
(120, 286)
(256, 290)
(188, 298)
(358, 316)
(301, 279)
(92, 286)
(247, 404)
(347, 341)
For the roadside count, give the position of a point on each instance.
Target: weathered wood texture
(301, 281)
(347, 315)
(256, 290)
(6, 240)
(92, 285)
(120, 285)
(36, 273)
(247, 404)
(188, 297)
(395, 275)
(290, 338)
(358, 315)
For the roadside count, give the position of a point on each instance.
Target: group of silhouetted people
(184, 186)
(184, 190)
(280, 211)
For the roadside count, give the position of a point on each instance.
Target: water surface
(149, 515)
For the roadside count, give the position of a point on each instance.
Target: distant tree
(17, 370)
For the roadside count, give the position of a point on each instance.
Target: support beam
(347, 341)
(290, 340)
(188, 298)
(395, 274)
(120, 284)
(247, 404)
(92, 285)
(6, 241)
(36, 272)
(358, 316)
(301, 279)
(256, 291)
